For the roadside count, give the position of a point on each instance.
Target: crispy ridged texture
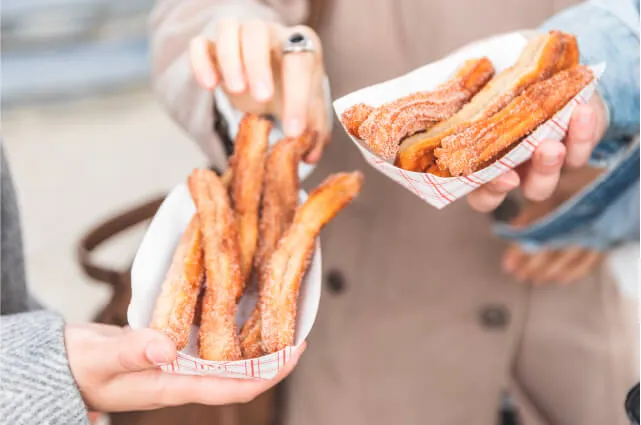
(248, 169)
(218, 334)
(250, 337)
(175, 307)
(355, 116)
(278, 205)
(288, 264)
(543, 56)
(226, 177)
(437, 171)
(388, 124)
(482, 143)
(280, 193)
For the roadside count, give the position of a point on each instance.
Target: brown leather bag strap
(105, 231)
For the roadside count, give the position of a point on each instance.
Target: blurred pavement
(77, 163)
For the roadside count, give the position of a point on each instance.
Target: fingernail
(159, 354)
(550, 159)
(236, 85)
(505, 182)
(262, 93)
(294, 128)
(585, 115)
(312, 157)
(209, 81)
(512, 180)
(583, 125)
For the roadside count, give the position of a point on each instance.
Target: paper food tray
(148, 272)
(439, 192)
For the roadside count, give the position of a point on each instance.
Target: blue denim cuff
(600, 216)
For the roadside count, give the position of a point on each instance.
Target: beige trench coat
(417, 323)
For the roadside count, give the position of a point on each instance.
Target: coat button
(494, 316)
(335, 282)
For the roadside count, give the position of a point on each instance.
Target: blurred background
(84, 135)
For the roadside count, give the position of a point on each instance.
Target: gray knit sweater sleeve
(36, 385)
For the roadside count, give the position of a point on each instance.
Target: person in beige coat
(418, 323)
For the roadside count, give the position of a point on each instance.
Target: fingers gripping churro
(279, 202)
(218, 337)
(287, 266)
(482, 143)
(248, 169)
(176, 304)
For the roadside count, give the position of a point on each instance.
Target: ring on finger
(298, 43)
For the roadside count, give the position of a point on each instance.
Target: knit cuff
(37, 386)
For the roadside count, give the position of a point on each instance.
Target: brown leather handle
(105, 231)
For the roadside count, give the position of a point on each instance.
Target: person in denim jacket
(566, 243)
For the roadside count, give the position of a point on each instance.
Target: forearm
(608, 31)
(173, 24)
(37, 385)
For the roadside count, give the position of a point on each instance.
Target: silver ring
(298, 43)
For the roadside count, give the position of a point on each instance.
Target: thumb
(140, 350)
(587, 126)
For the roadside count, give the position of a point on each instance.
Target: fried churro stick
(288, 264)
(437, 171)
(218, 336)
(389, 123)
(226, 177)
(280, 193)
(482, 143)
(176, 304)
(355, 116)
(250, 339)
(279, 202)
(248, 168)
(543, 56)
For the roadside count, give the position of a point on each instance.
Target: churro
(288, 263)
(218, 334)
(247, 172)
(176, 305)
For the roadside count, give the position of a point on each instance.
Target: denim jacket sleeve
(608, 31)
(607, 212)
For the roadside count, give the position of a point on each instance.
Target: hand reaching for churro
(258, 78)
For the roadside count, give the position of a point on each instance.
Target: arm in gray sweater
(37, 386)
